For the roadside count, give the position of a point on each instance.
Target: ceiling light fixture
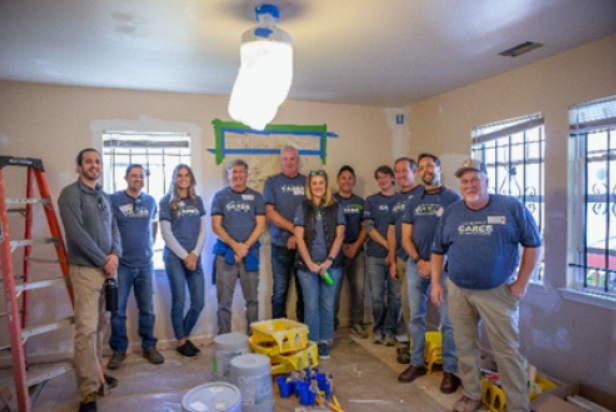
(266, 71)
(520, 49)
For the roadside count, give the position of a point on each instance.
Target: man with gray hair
(283, 193)
(481, 237)
(238, 219)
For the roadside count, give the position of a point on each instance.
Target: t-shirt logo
(398, 207)
(353, 209)
(187, 209)
(130, 212)
(248, 197)
(383, 207)
(475, 228)
(296, 190)
(429, 210)
(237, 206)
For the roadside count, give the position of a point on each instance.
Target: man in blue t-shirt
(135, 212)
(238, 219)
(405, 170)
(385, 310)
(421, 216)
(283, 193)
(481, 237)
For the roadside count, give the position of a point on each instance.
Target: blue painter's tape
(245, 131)
(263, 32)
(332, 135)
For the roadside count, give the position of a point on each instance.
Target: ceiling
(385, 53)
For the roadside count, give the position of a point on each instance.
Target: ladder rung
(37, 330)
(32, 242)
(19, 277)
(38, 374)
(38, 284)
(39, 260)
(16, 210)
(31, 201)
(3, 314)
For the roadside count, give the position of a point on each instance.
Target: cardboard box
(554, 400)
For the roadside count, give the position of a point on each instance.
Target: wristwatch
(416, 260)
(331, 259)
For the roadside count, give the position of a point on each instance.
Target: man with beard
(419, 223)
(481, 237)
(93, 248)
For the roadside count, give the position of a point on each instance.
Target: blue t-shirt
(134, 217)
(319, 251)
(238, 210)
(284, 194)
(424, 212)
(482, 245)
(397, 213)
(353, 208)
(187, 225)
(376, 208)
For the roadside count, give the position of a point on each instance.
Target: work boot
(115, 361)
(450, 383)
(358, 330)
(88, 403)
(411, 373)
(466, 404)
(390, 340)
(406, 349)
(153, 356)
(377, 338)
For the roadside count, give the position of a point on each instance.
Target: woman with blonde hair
(319, 231)
(182, 219)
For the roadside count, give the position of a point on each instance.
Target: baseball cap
(471, 164)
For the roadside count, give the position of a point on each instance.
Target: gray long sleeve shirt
(91, 231)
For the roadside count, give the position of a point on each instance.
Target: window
(159, 153)
(513, 152)
(593, 226)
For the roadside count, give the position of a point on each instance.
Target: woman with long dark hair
(319, 231)
(183, 228)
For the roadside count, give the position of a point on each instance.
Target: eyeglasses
(317, 172)
(102, 205)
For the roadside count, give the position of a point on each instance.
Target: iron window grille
(593, 134)
(513, 152)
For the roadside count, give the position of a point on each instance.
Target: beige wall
(55, 122)
(570, 341)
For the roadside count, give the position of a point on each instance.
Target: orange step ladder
(16, 287)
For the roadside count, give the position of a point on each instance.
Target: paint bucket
(213, 397)
(252, 374)
(226, 347)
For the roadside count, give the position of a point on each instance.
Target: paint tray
(305, 358)
(289, 335)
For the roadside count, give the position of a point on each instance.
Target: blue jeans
(283, 266)
(319, 302)
(141, 278)
(354, 271)
(178, 275)
(418, 289)
(385, 312)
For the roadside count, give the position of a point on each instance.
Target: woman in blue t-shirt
(319, 231)
(182, 219)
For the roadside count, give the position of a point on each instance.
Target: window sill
(591, 298)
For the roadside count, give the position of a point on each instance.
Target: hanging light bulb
(266, 71)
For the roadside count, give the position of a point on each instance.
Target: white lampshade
(266, 71)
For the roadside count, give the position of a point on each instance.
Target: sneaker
(466, 404)
(192, 346)
(323, 351)
(104, 389)
(404, 359)
(115, 361)
(358, 330)
(406, 349)
(88, 403)
(186, 350)
(390, 340)
(377, 338)
(153, 356)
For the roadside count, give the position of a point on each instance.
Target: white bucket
(226, 347)
(213, 397)
(253, 375)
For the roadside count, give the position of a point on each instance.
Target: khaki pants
(91, 323)
(405, 314)
(499, 313)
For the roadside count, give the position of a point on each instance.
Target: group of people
(423, 241)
